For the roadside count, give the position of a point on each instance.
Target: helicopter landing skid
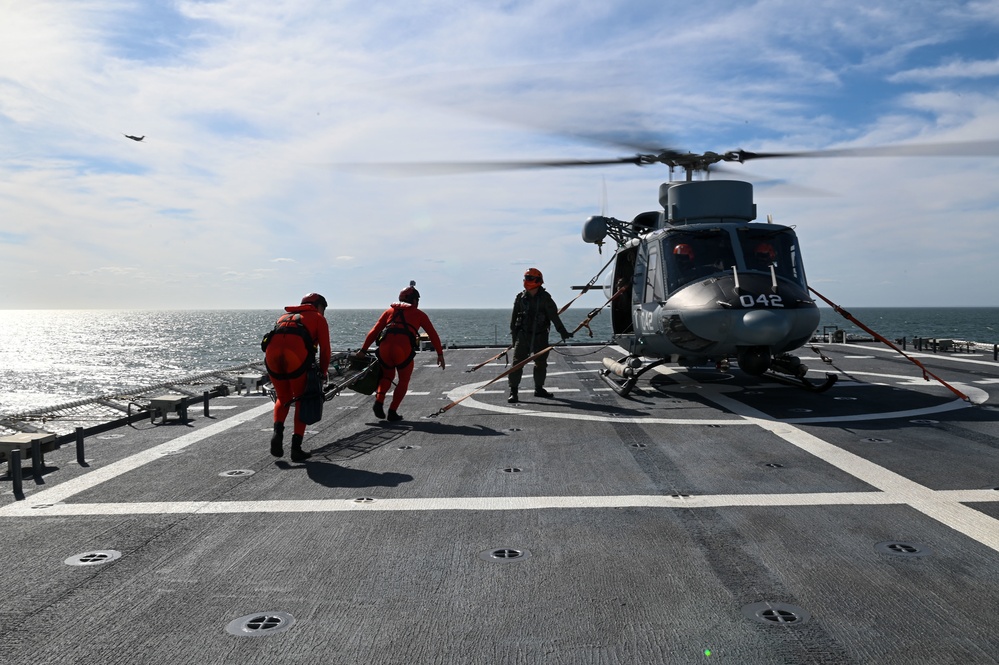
(802, 382)
(624, 387)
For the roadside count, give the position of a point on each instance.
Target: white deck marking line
(937, 505)
(910, 413)
(977, 395)
(943, 506)
(918, 354)
(523, 410)
(940, 502)
(93, 478)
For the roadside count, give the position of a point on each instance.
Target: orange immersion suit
(288, 354)
(396, 350)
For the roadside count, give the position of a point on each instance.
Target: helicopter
(700, 280)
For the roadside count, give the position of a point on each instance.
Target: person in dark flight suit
(534, 312)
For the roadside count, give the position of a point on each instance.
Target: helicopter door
(624, 275)
(647, 293)
(638, 278)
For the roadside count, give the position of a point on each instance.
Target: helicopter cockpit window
(693, 255)
(763, 248)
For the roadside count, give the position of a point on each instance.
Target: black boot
(541, 392)
(297, 454)
(393, 416)
(513, 399)
(276, 448)
(379, 410)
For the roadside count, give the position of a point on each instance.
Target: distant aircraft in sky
(134, 138)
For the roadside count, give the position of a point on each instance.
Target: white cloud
(246, 104)
(956, 69)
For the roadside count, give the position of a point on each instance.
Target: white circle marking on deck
(711, 390)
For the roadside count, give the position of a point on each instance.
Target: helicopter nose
(763, 327)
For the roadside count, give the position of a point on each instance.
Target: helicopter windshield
(763, 247)
(691, 255)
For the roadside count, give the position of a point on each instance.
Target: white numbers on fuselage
(645, 318)
(772, 300)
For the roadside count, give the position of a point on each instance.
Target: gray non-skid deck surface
(649, 529)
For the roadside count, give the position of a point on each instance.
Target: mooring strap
(496, 357)
(846, 315)
(584, 324)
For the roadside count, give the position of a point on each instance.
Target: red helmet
(314, 299)
(765, 251)
(684, 250)
(409, 294)
(533, 275)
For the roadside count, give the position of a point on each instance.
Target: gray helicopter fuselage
(703, 282)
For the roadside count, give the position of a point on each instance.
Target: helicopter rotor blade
(690, 162)
(952, 149)
(439, 168)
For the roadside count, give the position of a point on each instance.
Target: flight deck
(709, 516)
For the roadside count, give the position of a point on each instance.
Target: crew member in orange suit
(401, 323)
(296, 337)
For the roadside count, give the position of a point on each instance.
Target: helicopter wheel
(754, 360)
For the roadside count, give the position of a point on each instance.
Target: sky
(249, 190)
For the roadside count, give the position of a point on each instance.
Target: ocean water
(971, 324)
(50, 357)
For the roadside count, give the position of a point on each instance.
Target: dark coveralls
(529, 325)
